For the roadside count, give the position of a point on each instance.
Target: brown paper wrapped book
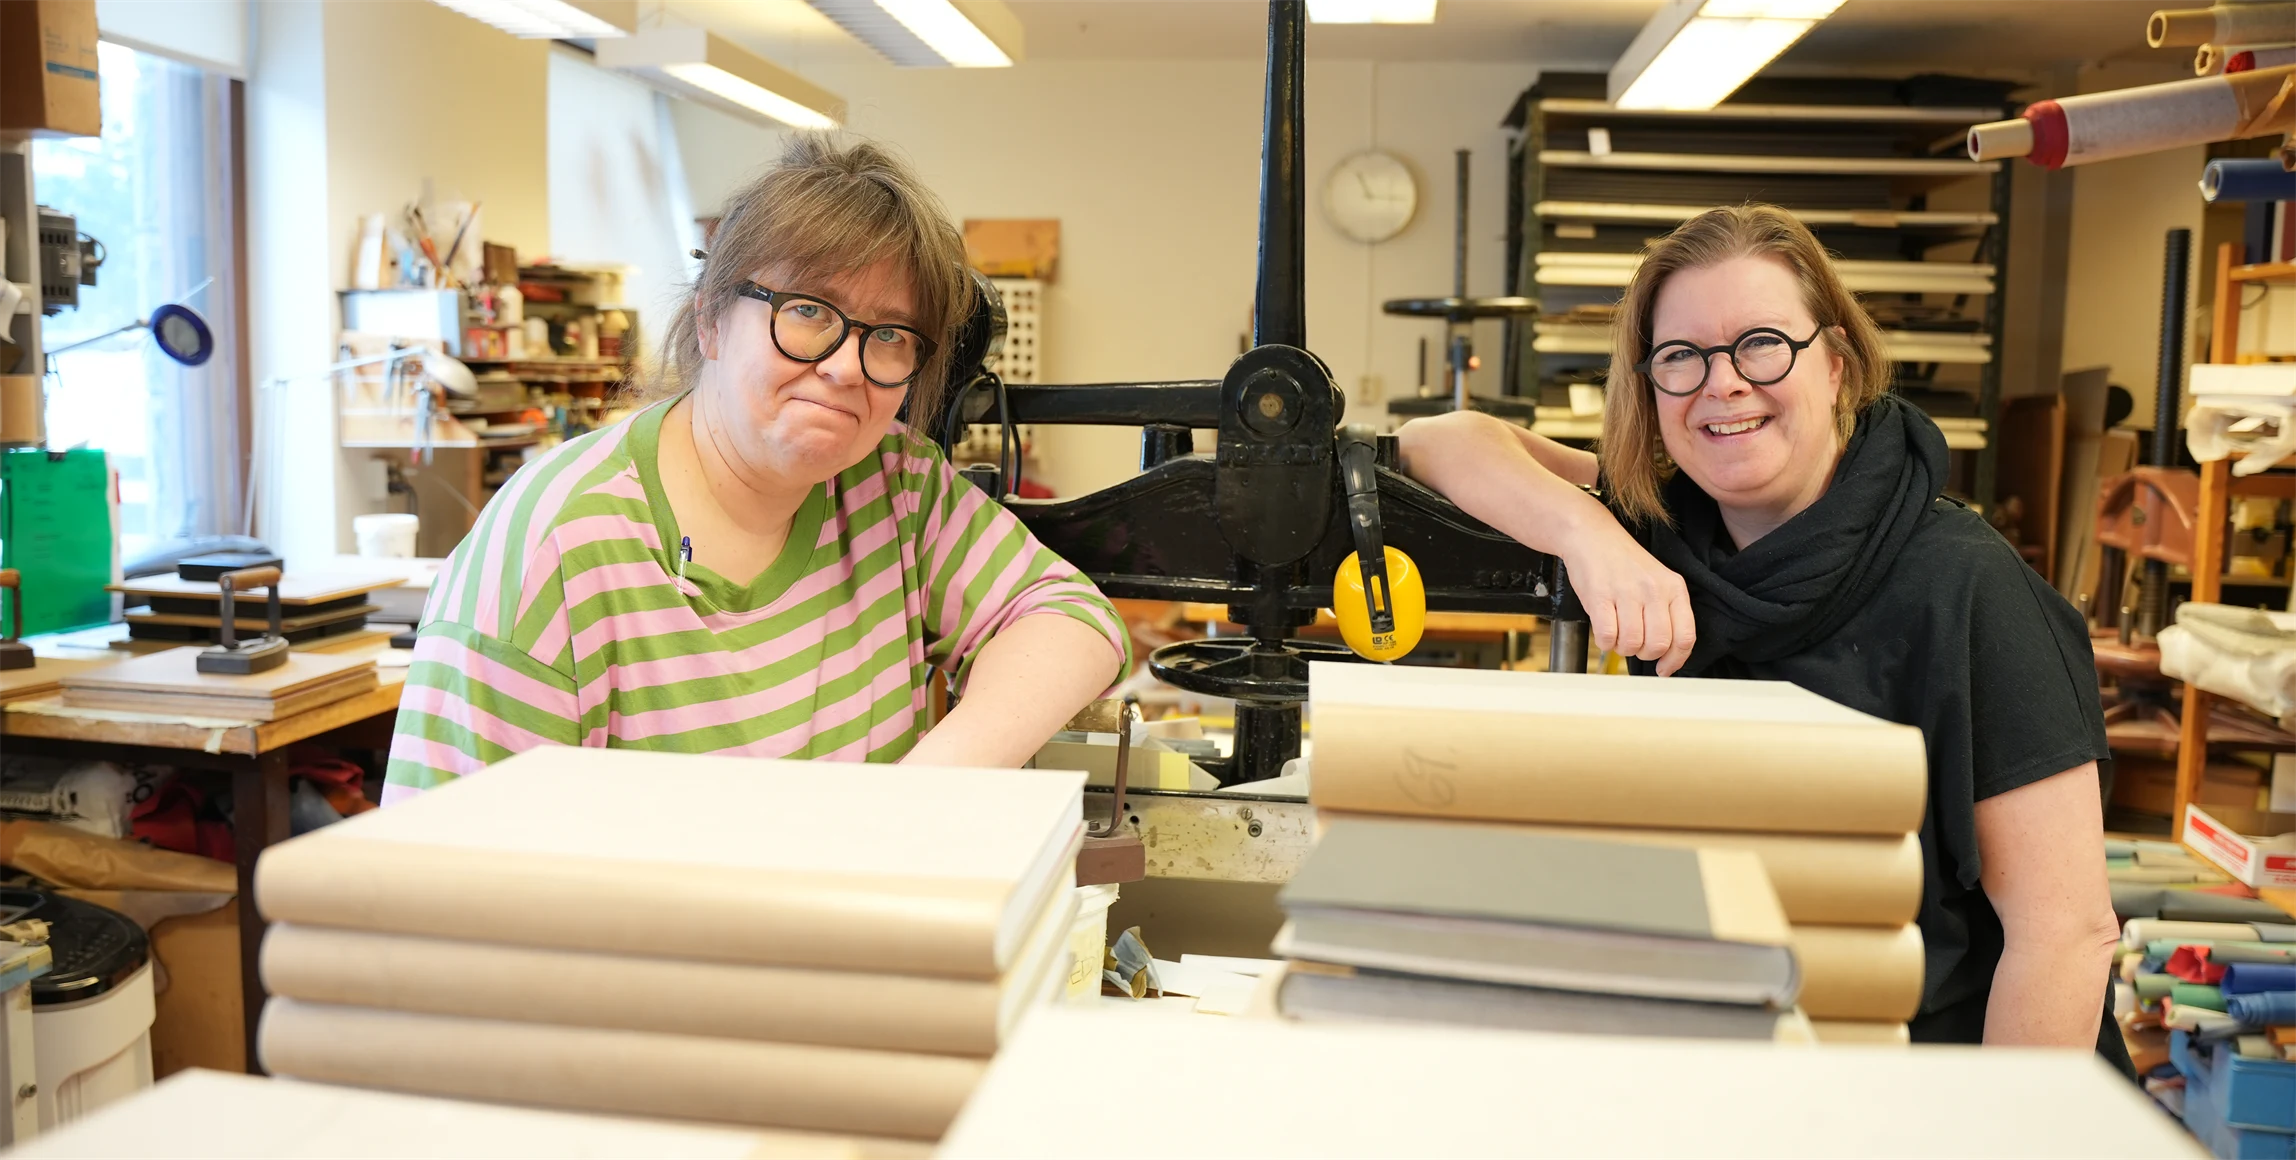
(1859, 973)
(1827, 879)
(685, 1077)
(1611, 751)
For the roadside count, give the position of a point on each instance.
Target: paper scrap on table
(1231, 964)
(1129, 965)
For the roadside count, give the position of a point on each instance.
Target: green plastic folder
(56, 531)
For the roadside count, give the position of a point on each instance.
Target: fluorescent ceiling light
(932, 33)
(702, 66)
(553, 19)
(1694, 53)
(1371, 11)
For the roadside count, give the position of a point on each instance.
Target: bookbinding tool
(14, 653)
(1262, 524)
(231, 656)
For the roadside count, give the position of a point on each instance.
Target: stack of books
(1405, 920)
(1827, 798)
(834, 948)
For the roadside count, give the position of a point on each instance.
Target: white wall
(2122, 212)
(616, 192)
(1152, 168)
(210, 34)
(352, 108)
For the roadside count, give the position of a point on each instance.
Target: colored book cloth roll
(2196, 995)
(2155, 986)
(2262, 1008)
(2250, 978)
(2246, 179)
(2223, 950)
(2191, 964)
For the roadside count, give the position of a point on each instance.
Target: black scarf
(1799, 583)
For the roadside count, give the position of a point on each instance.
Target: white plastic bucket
(390, 535)
(1088, 942)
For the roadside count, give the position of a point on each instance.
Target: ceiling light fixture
(932, 33)
(1371, 11)
(1694, 53)
(700, 65)
(553, 19)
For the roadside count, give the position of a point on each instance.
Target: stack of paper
(792, 945)
(1400, 919)
(1827, 798)
(170, 682)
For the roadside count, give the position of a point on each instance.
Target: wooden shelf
(1741, 163)
(2264, 272)
(1651, 214)
(1567, 268)
(1903, 345)
(1901, 114)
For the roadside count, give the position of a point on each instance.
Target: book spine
(946, 929)
(1859, 973)
(672, 996)
(684, 1077)
(1711, 775)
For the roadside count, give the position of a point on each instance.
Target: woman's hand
(1529, 487)
(1635, 606)
(1026, 683)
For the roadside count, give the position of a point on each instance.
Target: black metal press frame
(1259, 524)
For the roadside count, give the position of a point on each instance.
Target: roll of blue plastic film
(2247, 179)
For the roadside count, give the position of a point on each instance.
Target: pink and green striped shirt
(562, 618)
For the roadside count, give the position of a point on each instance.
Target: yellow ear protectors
(1382, 611)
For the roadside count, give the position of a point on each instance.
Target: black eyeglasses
(1762, 356)
(808, 329)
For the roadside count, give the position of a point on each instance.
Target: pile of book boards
(1569, 852)
(760, 945)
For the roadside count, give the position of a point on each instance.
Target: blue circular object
(182, 334)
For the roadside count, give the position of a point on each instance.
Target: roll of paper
(2144, 119)
(2250, 23)
(2251, 59)
(2140, 931)
(2246, 179)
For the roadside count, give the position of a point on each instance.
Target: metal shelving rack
(1857, 160)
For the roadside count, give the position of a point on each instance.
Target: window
(157, 191)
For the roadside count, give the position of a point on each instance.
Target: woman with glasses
(1780, 516)
(765, 561)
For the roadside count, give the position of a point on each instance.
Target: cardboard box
(48, 82)
(1013, 248)
(2252, 861)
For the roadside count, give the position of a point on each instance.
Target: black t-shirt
(1967, 643)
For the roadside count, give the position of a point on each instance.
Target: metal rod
(1566, 648)
(2175, 272)
(1459, 233)
(1280, 307)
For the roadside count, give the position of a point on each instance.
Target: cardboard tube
(2251, 59)
(1998, 139)
(2208, 60)
(2149, 118)
(2232, 179)
(2252, 23)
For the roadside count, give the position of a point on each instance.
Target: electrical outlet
(1371, 389)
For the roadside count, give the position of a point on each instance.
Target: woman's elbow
(1430, 440)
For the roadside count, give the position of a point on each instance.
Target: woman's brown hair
(828, 209)
(1634, 466)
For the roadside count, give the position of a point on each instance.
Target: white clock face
(1371, 196)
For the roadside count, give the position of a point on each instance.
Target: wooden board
(176, 671)
(349, 684)
(48, 717)
(294, 588)
(2032, 469)
(258, 624)
(45, 676)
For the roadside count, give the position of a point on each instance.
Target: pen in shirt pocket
(685, 554)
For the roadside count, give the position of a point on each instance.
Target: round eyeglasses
(1762, 356)
(808, 329)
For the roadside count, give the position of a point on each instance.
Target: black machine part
(232, 657)
(1262, 523)
(14, 653)
(95, 949)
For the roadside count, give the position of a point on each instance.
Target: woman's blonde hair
(1634, 464)
(824, 210)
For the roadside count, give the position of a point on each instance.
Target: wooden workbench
(253, 754)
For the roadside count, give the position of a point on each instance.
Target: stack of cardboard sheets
(170, 682)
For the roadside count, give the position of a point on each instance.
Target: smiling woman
(765, 561)
(1780, 516)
